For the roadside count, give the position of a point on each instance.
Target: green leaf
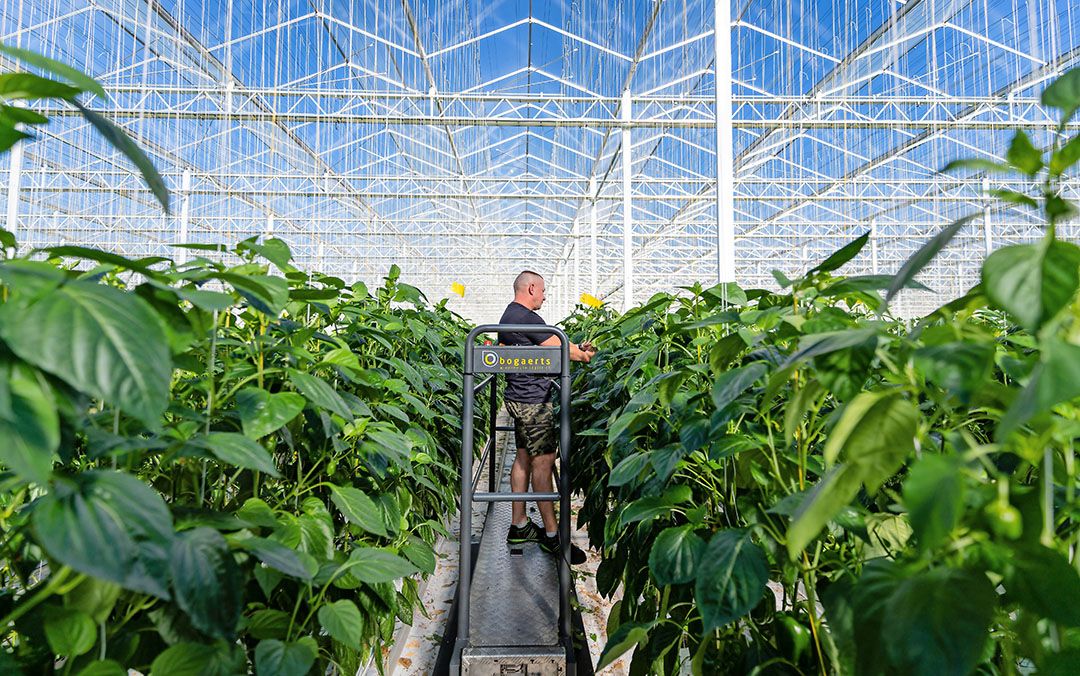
(237, 450)
(977, 165)
(72, 75)
(1065, 157)
(1023, 154)
(822, 503)
(817, 344)
(70, 632)
(207, 581)
(320, 393)
(342, 620)
(960, 367)
(921, 258)
(1055, 379)
(119, 139)
(276, 658)
(420, 554)
(675, 554)
(943, 616)
(731, 578)
(628, 469)
(865, 283)
(109, 525)
(876, 432)
(99, 340)
(652, 506)
(628, 635)
(375, 566)
(279, 557)
(1032, 282)
(273, 249)
(797, 408)
(1064, 663)
(1013, 197)
(29, 425)
(842, 255)
(7, 239)
(265, 293)
(1064, 94)
(262, 413)
(199, 659)
(94, 597)
(29, 86)
(727, 291)
(103, 668)
(358, 509)
(268, 623)
(1044, 582)
(257, 513)
(934, 495)
(732, 383)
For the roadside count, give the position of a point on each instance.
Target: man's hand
(587, 351)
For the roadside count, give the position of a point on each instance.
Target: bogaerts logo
(491, 360)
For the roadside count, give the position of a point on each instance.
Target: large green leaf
(319, 392)
(939, 621)
(926, 253)
(1064, 94)
(103, 668)
(628, 635)
(876, 433)
(199, 659)
(358, 508)
(279, 557)
(1054, 380)
(821, 505)
(277, 658)
(72, 75)
(342, 620)
(237, 450)
(102, 341)
(70, 632)
(675, 554)
(960, 367)
(207, 581)
(29, 425)
(119, 139)
(731, 578)
(818, 344)
(29, 86)
(375, 566)
(262, 413)
(842, 255)
(265, 293)
(1032, 282)
(1023, 155)
(731, 384)
(934, 495)
(1043, 581)
(109, 525)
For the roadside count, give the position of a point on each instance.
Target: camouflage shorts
(534, 426)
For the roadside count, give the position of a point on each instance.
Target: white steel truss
(467, 140)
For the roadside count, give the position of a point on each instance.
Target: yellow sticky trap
(591, 300)
(458, 288)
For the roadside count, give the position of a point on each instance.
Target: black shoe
(530, 532)
(552, 546)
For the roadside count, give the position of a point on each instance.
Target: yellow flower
(591, 300)
(458, 288)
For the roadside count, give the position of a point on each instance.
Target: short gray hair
(523, 280)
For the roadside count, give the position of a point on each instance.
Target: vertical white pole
(592, 235)
(577, 263)
(185, 215)
(269, 226)
(319, 257)
(628, 238)
(14, 181)
(873, 247)
(988, 238)
(725, 156)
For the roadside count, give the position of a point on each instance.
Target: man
(528, 400)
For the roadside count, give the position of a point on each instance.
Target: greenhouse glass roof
(466, 140)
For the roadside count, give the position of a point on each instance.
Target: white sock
(550, 533)
(521, 524)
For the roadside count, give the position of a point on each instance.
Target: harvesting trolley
(516, 618)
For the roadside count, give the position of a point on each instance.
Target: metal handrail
(469, 484)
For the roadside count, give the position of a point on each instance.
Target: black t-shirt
(524, 387)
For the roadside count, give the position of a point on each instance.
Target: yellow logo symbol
(490, 359)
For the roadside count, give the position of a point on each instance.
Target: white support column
(11, 224)
(185, 215)
(873, 247)
(577, 263)
(319, 267)
(725, 157)
(628, 236)
(269, 226)
(988, 238)
(592, 235)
